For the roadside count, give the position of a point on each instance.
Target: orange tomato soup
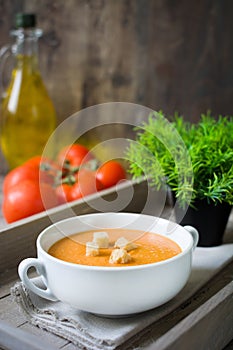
(151, 248)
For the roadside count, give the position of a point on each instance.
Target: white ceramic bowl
(111, 290)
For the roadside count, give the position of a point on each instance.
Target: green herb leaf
(194, 160)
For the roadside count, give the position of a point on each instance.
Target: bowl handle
(194, 234)
(23, 268)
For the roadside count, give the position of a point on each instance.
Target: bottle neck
(26, 42)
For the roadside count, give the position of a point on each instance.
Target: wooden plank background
(171, 55)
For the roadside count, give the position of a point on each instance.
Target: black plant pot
(209, 219)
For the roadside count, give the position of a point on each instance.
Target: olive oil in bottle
(28, 115)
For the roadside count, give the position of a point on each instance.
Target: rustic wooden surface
(169, 55)
(216, 311)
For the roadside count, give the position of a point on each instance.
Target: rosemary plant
(194, 160)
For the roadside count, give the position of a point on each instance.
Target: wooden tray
(210, 309)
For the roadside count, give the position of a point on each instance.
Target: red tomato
(46, 167)
(75, 154)
(86, 183)
(31, 170)
(110, 173)
(36, 161)
(64, 193)
(25, 199)
(18, 175)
